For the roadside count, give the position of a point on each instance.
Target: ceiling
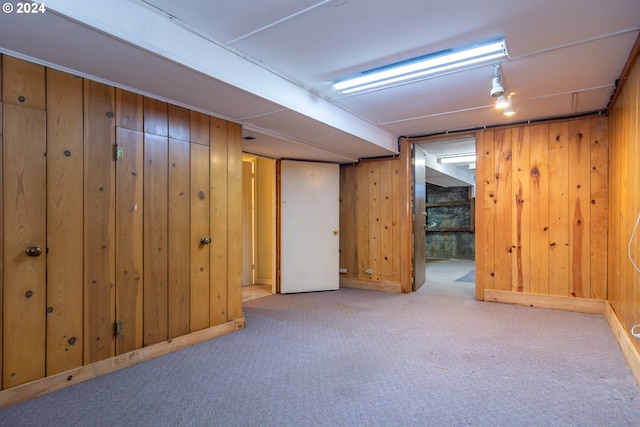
(270, 65)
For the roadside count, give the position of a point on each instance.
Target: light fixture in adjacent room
(458, 158)
(423, 66)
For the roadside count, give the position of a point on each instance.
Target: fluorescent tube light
(416, 68)
(463, 158)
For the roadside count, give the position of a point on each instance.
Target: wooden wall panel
(179, 123)
(129, 112)
(178, 238)
(370, 224)
(624, 204)
(234, 224)
(503, 242)
(559, 209)
(123, 234)
(521, 219)
(129, 243)
(579, 207)
(552, 176)
(99, 224)
(156, 117)
(539, 205)
(23, 83)
(24, 303)
(200, 273)
(65, 161)
(156, 224)
(219, 218)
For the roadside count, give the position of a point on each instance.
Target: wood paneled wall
(370, 225)
(122, 264)
(624, 205)
(542, 210)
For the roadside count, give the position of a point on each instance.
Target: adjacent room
(320, 212)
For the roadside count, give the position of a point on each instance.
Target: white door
(309, 245)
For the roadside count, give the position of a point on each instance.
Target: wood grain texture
(129, 241)
(559, 209)
(178, 238)
(179, 123)
(129, 111)
(23, 83)
(199, 128)
(24, 302)
(65, 198)
(503, 200)
(200, 273)
(156, 117)
(521, 219)
(99, 222)
(234, 248)
(539, 196)
(218, 220)
(599, 207)
(156, 225)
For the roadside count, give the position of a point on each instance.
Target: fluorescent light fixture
(461, 158)
(422, 66)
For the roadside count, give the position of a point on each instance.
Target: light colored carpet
(351, 357)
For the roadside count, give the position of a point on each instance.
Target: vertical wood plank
(179, 123)
(559, 209)
(579, 205)
(521, 210)
(24, 177)
(482, 219)
(386, 221)
(99, 222)
(406, 231)
(599, 201)
(503, 195)
(129, 244)
(362, 221)
(156, 224)
(373, 174)
(156, 117)
(23, 83)
(200, 273)
(179, 238)
(219, 215)
(199, 128)
(395, 220)
(129, 112)
(234, 277)
(1, 221)
(539, 195)
(64, 222)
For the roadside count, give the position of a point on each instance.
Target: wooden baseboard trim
(50, 384)
(581, 305)
(385, 286)
(629, 350)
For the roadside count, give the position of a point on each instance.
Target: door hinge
(118, 329)
(118, 152)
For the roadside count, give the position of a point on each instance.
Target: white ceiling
(269, 64)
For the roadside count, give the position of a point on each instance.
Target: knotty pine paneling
(624, 204)
(124, 235)
(539, 221)
(99, 222)
(369, 221)
(25, 293)
(65, 193)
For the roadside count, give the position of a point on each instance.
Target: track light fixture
(499, 92)
(497, 89)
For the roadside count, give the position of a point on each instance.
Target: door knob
(205, 240)
(335, 231)
(34, 251)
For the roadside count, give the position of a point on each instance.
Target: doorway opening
(447, 227)
(258, 226)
